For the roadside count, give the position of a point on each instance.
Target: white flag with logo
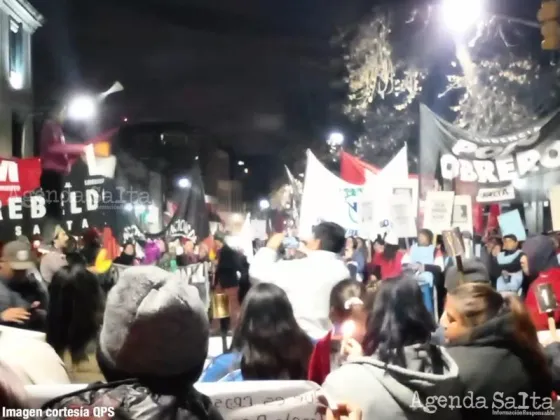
(328, 198)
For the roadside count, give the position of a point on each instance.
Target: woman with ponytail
(401, 372)
(494, 342)
(348, 316)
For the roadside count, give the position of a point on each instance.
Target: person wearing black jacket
(231, 269)
(495, 345)
(23, 298)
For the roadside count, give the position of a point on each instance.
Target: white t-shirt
(307, 282)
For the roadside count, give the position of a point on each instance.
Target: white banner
(327, 198)
(247, 400)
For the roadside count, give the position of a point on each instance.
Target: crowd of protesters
(386, 330)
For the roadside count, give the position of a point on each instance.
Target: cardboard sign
(511, 224)
(463, 213)
(546, 298)
(438, 210)
(453, 241)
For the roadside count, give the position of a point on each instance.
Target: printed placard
(462, 213)
(438, 211)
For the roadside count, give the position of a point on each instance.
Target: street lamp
(82, 108)
(264, 204)
(336, 139)
(16, 80)
(241, 163)
(184, 183)
(460, 15)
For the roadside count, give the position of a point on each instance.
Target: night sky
(257, 76)
(262, 79)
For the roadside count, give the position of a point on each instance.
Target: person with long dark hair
(401, 370)
(268, 338)
(494, 342)
(267, 344)
(73, 320)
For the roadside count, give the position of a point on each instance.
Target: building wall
(16, 100)
(230, 197)
(215, 168)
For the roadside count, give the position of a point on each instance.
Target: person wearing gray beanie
(153, 343)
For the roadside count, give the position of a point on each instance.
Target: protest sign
(438, 211)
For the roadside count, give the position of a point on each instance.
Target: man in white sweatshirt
(308, 281)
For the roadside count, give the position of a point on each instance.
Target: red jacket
(320, 362)
(551, 276)
(388, 269)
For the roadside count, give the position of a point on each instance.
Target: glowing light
(184, 183)
(128, 207)
(348, 328)
(264, 204)
(16, 80)
(335, 139)
(241, 163)
(82, 108)
(246, 170)
(461, 15)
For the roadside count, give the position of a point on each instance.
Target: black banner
(498, 165)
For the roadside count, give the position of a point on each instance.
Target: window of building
(16, 54)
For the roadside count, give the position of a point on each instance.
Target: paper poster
(408, 188)
(462, 213)
(403, 222)
(554, 198)
(438, 211)
(511, 224)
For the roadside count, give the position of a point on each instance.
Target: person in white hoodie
(307, 281)
(396, 373)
